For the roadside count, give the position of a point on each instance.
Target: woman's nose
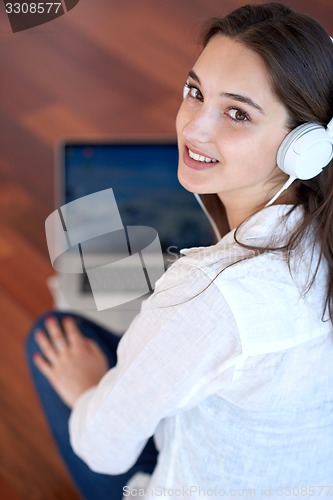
(200, 126)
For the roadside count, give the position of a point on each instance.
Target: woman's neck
(238, 210)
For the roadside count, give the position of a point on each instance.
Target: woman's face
(230, 126)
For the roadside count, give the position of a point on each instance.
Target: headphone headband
(306, 150)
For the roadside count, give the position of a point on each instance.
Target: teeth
(201, 158)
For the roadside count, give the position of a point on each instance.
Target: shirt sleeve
(177, 352)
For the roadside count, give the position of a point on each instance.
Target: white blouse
(231, 371)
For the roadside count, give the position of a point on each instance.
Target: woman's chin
(193, 185)
(189, 181)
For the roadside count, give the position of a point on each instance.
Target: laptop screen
(143, 177)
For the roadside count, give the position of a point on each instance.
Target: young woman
(229, 363)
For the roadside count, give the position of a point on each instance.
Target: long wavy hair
(298, 54)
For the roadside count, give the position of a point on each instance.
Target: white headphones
(306, 150)
(304, 153)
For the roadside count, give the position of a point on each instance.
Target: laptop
(153, 218)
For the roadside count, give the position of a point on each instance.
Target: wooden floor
(106, 67)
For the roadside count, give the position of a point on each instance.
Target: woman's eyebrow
(242, 98)
(194, 76)
(236, 97)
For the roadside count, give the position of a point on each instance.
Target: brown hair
(298, 53)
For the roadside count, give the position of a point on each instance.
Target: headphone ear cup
(305, 151)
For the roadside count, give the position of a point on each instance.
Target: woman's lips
(195, 164)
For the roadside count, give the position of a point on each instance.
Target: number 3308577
(32, 8)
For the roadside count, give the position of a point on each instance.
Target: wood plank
(24, 272)
(31, 162)
(25, 213)
(26, 443)
(7, 491)
(56, 120)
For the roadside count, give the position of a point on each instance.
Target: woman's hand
(71, 362)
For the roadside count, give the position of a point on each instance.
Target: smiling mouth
(201, 158)
(196, 161)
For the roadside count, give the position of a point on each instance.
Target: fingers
(43, 365)
(56, 335)
(46, 346)
(73, 333)
(54, 343)
(71, 362)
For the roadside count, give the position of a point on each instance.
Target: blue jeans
(91, 485)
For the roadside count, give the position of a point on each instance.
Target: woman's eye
(191, 91)
(238, 115)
